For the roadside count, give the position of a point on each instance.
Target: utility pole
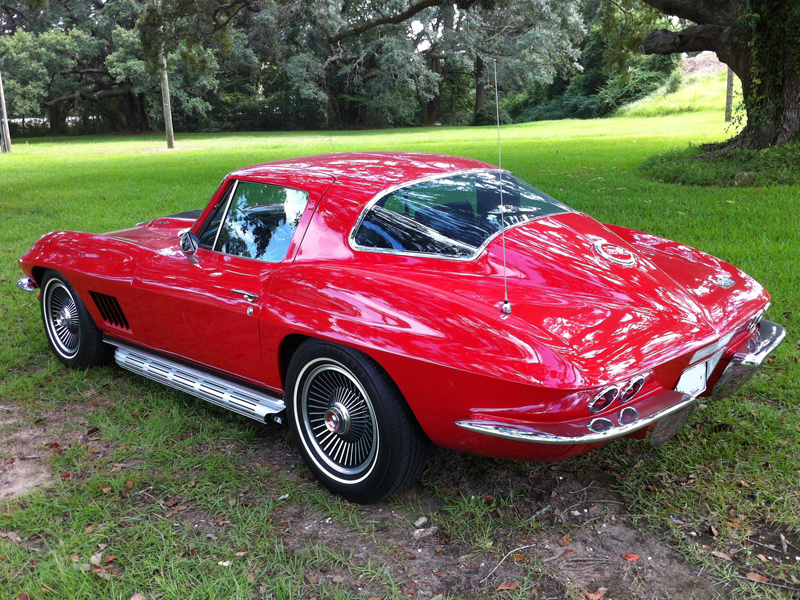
(5, 136)
(165, 98)
(729, 97)
(162, 67)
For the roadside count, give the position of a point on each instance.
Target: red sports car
(382, 301)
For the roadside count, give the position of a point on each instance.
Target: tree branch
(693, 39)
(96, 97)
(707, 12)
(394, 19)
(85, 72)
(8, 9)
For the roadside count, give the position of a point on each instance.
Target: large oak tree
(760, 41)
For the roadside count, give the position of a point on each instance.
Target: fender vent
(110, 310)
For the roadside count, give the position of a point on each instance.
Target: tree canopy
(267, 64)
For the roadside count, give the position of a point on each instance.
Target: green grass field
(731, 475)
(696, 93)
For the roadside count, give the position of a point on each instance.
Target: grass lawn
(155, 492)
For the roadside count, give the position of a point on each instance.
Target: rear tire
(74, 338)
(351, 424)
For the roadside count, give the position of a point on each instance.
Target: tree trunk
(4, 133)
(133, 108)
(770, 80)
(480, 85)
(58, 120)
(772, 120)
(432, 109)
(729, 97)
(165, 98)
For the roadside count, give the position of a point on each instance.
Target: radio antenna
(506, 309)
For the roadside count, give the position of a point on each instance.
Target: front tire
(74, 338)
(351, 424)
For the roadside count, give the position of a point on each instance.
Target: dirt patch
(27, 440)
(534, 505)
(18, 477)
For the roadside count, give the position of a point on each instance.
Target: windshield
(452, 216)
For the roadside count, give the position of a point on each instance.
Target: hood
(157, 235)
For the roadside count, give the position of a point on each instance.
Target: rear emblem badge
(614, 253)
(724, 281)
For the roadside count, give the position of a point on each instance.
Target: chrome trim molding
(640, 379)
(628, 416)
(27, 284)
(351, 239)
(602, 393)
(231, 192)
(215, 390)
(601, 424)
(521, 433)
(748, 358)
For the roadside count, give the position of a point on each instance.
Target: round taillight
(604, 399)
(631, 389)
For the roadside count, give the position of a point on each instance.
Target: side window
(209, 232)
(258, 221)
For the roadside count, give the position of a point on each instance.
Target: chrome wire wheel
(61, 318)
(338, 420)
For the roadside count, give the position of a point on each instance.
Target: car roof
(369, 172)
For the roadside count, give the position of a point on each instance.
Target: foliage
(623, 25)
(305, 63)
(31, 64)
(612, 74)
(646, 76)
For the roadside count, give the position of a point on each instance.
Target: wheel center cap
(64, 318)
(337, 419)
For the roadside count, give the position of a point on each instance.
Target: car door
(207, 309)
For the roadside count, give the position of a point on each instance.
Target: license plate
(694, 379)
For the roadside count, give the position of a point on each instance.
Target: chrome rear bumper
(744, 362)
(521, 433)
(748, 358)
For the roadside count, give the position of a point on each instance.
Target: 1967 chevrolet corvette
(382, 301)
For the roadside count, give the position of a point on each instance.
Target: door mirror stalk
(189, 246)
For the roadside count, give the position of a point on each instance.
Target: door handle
(249, 296)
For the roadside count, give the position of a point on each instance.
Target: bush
(487, 115)
(536, 103)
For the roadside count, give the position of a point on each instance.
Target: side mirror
(189, 246)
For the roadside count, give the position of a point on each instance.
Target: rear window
(452, 216)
